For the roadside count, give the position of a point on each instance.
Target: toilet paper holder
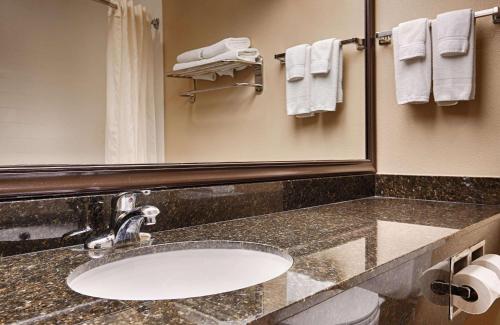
(444, 288)
(458, 262)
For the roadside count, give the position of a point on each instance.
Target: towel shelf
(192, 93)
(224, 65)
(384, 38)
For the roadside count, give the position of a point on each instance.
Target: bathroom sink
(179, 270)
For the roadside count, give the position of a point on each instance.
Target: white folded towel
(296, 62)
(321, 55)
(189, 56)
(454, 76)
(412, 38)
(245, 54)
(298, 90)
(207, 52)
(325, 87)
(413, 77)
(454, 31)
(226, 45)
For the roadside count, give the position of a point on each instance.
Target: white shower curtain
(131, 115)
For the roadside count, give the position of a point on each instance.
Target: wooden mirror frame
(64, 180)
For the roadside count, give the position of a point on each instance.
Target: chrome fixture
(223, 65)
(76, 233)
(360, 46)
(154, 22)
(384, 38)
(126, 222)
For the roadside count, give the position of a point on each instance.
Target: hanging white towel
(298, 89)
(412, 77)
(454, 31)
(131, 116)
(412, 39)
(246, 54)
(454, 76)
(325, 87)
(340, 90)
(296, 60)
(207, 52)
(321, 56)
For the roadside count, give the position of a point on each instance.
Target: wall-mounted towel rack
(360, 45)
(223, 65)
(384, 38)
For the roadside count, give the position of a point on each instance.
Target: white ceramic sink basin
(179, 270)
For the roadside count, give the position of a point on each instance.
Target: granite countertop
(334, 247)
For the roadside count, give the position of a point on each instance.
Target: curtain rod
(154, 22)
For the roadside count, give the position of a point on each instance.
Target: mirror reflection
(180, 81)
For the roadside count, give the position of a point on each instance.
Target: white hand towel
(413, 77)
(321, 55)
(189, 56)
(298, 90)
(454, 31)
(226, 45)
(454, 76)
(412, 39)
(244, 54)
(295, 61)
(325, 87)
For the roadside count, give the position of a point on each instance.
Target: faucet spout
(128, 224)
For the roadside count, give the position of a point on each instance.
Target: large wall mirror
(84, 85)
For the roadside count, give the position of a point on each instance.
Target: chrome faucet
(126, 221)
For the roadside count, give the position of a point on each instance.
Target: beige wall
(428, 140)
(237, 125)
(53, 80)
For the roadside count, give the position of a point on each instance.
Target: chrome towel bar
(384, 38)
(360, 45)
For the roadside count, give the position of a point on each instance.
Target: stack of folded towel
(227, 49)
(314, 78)
(449, 61)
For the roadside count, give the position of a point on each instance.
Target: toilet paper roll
(440, 271)
(490, 261)
(486, 284)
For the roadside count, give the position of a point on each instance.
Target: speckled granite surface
(33, 225)
(335, 246)
(480, 190)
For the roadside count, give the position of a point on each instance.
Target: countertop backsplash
(38, 224)
(33, 225)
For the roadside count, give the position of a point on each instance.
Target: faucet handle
(125, 201)
(84, 232)
(150, 212)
